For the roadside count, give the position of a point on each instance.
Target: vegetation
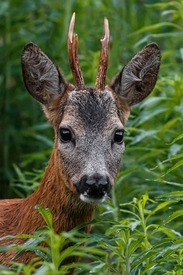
(139, 230)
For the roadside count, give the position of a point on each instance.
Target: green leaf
(168, 250)
(175, 166)
(159, 207)
(173, 196)
(179, 137)
(173, 216)
(46, 214)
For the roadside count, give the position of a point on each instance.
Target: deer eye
(118, 136)
(65, 134)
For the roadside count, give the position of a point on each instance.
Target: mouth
(93, 189)
(91, 199)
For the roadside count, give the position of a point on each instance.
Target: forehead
(91, 108)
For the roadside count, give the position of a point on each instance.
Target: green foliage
(138, 245)
(50, 259)
(138, 231)
(146, 241)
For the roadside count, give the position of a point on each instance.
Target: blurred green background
(154, 141)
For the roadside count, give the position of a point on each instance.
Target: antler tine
(105, 42)
(73, 56)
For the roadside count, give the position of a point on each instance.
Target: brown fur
(20, 216)
(63, 101)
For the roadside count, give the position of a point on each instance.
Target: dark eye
(65, 135)
(118, 136)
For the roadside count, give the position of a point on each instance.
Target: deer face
(89, 122)
(90, 141)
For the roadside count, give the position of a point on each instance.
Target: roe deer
(89, 128)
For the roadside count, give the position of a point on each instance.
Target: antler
(101, 76)
(73, 56)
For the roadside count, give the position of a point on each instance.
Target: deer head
(89, 122)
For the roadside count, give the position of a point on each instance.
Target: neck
(67, 209)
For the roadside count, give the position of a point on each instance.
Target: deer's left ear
(138, 78)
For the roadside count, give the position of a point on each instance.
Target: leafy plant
(50, 258)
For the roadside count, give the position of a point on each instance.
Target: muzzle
(94, 189)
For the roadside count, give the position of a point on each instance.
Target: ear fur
(138, 78)
(41, 76)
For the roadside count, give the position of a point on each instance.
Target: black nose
(97, 180)
(96, 186)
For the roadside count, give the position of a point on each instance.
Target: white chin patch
(87, 199)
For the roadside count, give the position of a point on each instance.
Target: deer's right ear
(41, 76)
(138, 78)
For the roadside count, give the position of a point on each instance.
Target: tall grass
(138, 230)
